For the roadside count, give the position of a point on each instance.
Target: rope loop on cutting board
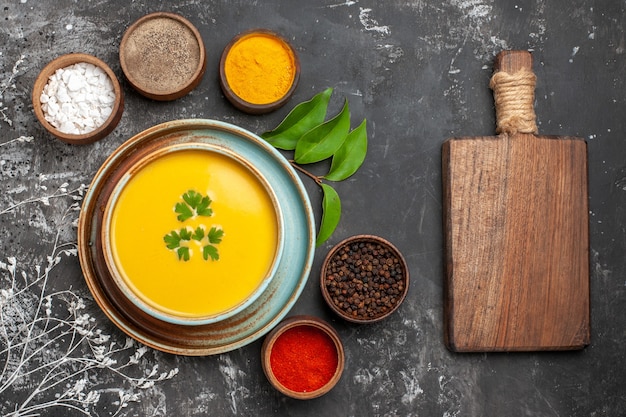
(514, 96)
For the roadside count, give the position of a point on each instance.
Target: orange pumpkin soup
(193, 233)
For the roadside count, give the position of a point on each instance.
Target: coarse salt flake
(78, 99)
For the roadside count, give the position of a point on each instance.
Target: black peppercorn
(369, 275)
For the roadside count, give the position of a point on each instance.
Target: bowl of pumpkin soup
(151, 234)
(192, 233)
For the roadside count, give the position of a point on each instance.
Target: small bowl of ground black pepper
(163, 56)
(259, 71)
(77, 98)
(303, 357)
(364, 279)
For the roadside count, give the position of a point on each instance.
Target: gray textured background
(418, 71)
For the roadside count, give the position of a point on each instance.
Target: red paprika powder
(303, 358)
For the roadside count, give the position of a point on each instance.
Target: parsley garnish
(183, 253)
(198, 234)
(172, 240)
(194, 204)
(214, 237)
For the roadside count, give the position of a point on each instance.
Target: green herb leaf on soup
(203, 207)
(324, 140)
(215, 235)
(198, 234)
(304, 117)
(185, 234)
(210, 251)
(184, 212)
(331, 213)
(172, 240)
(192, 198)
(350, 156)
(194, 204)
(183, 253)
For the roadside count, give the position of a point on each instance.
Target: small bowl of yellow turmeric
(259, 71)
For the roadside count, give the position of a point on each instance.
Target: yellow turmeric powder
(260, 68)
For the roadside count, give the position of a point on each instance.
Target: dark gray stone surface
(418, 71)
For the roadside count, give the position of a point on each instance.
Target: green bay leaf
(304, 117)
(331, 213)
(350, 156)
(324, 140)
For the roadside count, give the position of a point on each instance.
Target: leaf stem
(317, 179)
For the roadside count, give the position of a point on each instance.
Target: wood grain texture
(517, 243)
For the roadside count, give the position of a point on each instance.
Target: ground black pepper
(365, 279)
(162, 54)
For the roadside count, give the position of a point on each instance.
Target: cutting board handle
(513, 85)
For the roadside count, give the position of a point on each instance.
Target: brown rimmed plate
(258, 318)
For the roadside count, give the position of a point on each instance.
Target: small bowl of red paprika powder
(303, 357)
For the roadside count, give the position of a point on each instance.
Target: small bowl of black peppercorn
(364, 279)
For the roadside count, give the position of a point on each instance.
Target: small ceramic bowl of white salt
(78, 98)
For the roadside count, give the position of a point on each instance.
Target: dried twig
(52, 346)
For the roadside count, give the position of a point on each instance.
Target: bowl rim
(252, 323)
(290, 323)
(64, 61)
(363, 238)
(123, 282)
(194, 79)
(239, 102)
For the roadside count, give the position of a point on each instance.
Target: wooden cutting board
(516, 227)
